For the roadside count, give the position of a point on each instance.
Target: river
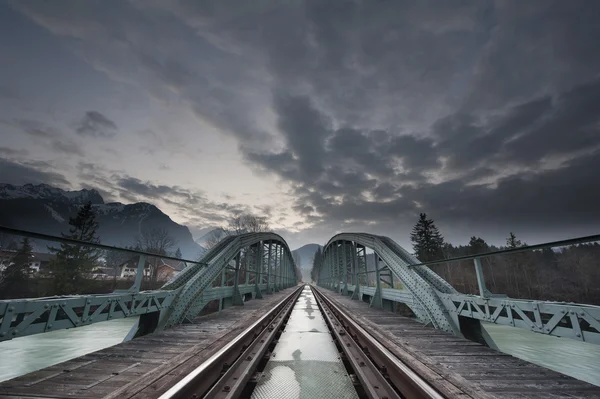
(23, 355)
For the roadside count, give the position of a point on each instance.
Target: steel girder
(420, 282)
(22, 317)
(198, 278)
(568, 320)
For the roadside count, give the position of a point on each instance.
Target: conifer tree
(427, 240)
(16, 273)
(73, 262)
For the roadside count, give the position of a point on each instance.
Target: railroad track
(234, 371)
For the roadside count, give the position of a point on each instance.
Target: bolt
(2, 334)
(226, 388)
(562, 311)
(581, 313)
(50, 325)
(361, 364)
(579, 335)
(46, 306)
(10, 309)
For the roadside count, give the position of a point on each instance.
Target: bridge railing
(236, 269)
(467, 288)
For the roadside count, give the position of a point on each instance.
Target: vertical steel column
(139, 274)
(237, 296)
(483, 292)
(355, 267)
(277, 267)
(377, 300)
(259, 265)
(345, 267)
(269, 285)
(247, 263)
(222, 285)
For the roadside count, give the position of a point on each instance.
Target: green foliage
(427, 240)
(477, 245)
(74, 262)
(512, 242)
(17, 272)
(314, 272)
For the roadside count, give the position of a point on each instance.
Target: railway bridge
(405, 332)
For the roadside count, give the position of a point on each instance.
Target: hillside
(45, 209)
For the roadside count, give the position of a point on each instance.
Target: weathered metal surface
(455, 365)
(146, 365)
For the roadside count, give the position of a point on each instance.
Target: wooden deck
(145, 367)
(459, 367)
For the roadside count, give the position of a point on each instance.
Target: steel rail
(199, 379)
(373, 382)
(406, 381)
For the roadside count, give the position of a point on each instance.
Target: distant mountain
(45, 209)
(306, 254)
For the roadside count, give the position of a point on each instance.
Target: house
(128, 268)
(169, 268)
(38, 261)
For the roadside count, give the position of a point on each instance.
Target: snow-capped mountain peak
(44, 191)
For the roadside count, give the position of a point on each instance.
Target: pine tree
(477, 245)
(73, 262)
(427, 240)
(178, 253)
(16, 273)
(512, 242)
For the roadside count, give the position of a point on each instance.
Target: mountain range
(46, 209)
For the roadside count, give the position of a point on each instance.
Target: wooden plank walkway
(145, 367)
(459, 367)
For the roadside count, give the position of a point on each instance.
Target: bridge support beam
(237, 299)
(355, 267)
(269, 284)
(258, 264)
(377, 300)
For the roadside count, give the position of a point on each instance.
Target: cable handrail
(552, 244)
(48, 237)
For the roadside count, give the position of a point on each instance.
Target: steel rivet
(10, 309)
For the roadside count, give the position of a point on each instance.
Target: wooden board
(144, 367)
(458, 367)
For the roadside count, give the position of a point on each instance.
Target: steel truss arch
(422, 284)
(195, 279)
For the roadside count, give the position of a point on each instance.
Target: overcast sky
(325, 116)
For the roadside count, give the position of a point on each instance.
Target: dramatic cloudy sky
(325, 116)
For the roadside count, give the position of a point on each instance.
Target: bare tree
(156, 241)
(239, 224)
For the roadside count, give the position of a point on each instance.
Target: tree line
(567, 274)
(73, 264)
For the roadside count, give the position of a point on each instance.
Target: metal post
(237, 296)
(356, 292)
(247, 263)
(139, 274)
(259, 265)
(222, 285)
(345, 268)
(480, 281)
(269, 285)
(377, 300)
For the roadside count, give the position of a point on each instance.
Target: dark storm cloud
(484, 112)
(96, 125)
(10, 152)
(18, 173)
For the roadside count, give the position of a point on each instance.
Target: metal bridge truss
(435, 302)
(261, 261)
